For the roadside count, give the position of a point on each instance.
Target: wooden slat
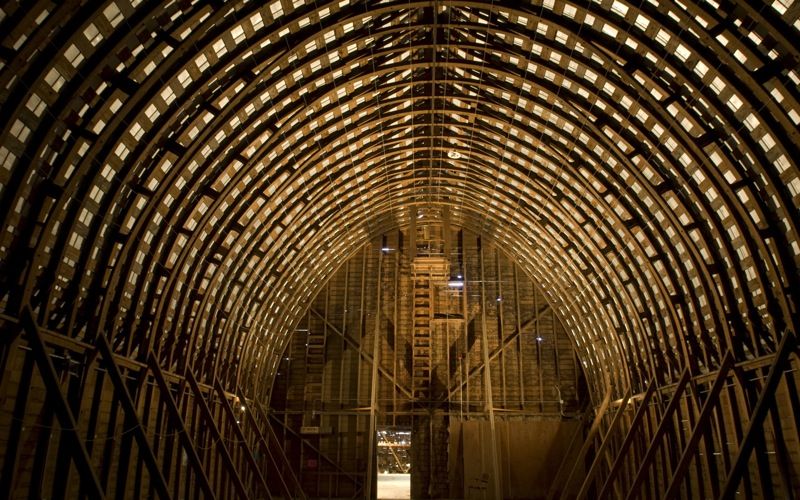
(183, 432)
(132, 420)
(69, 426)
(759, 414)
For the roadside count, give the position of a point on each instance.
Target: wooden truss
(189, 437)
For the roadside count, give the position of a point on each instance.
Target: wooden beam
(319, 452)
(183, 432)
(496, 351)
(71, 344)
(264, 444)
(756, 421)
(487, 384)
(132, 420)
(368, 357)
(238, 484)
(555, 487)
(700, 427)
(599, 455)
(243, 442)
(298, 493)
(69, 426)
(605, 492)
(783, 455)
(12, 446)
(372, 460)
(655, 443)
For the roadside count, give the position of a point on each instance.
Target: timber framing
(44, 371)
(210, 208)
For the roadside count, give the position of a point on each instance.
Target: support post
(8, 473)
(487, 382)
(666, 420)
(373, 397)
(412, 232)
(756, 423)
(183, 432)
(69, 427)
(605, 492)
(241, 490)
(131, 418)
(712, 398)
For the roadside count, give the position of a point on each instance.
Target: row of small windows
(185, 79)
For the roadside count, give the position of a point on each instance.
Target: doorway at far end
(394, 463)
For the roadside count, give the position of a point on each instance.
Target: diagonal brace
(131, 418)
(248, 453)
(655, 443)
(69, 427)
(212, 426)
(599, 455)
(264, 444)
(712, 399)
(366, 356)
(177, 421)
(498, 350)
(755, 425)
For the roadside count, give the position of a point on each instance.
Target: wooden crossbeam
(700, 427)
(655, 443)
(248, 452)
(238, 484)
(69, 427)
(132, 420)
(755, 425)
(177, 421)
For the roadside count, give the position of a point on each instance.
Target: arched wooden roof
(184, 175)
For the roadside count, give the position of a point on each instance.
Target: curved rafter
(184, 178)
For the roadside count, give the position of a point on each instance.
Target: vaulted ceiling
(183, 176)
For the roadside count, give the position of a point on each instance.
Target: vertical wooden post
(69, 427)
(183, 432)
(132, 421)
(756, 422)
(487, 383)
(605, 491)
(373, 397)
(15, 428)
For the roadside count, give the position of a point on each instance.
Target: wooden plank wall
(533, 366)
(40, 462)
